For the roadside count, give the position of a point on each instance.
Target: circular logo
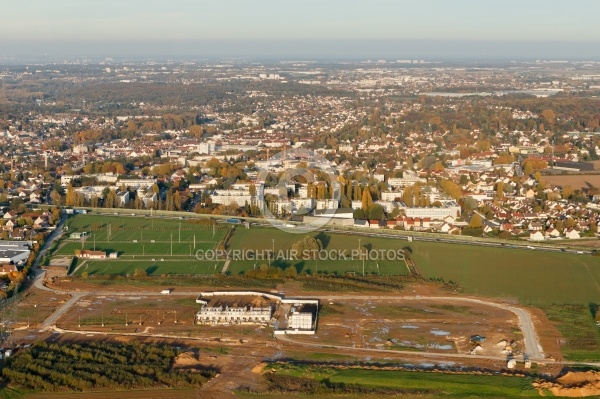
(298, 183)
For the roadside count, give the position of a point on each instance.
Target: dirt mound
(258, 369)
(572, 384)
(186, 359)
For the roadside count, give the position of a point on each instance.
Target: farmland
(533, 277)
(578, 182)
(313, 266)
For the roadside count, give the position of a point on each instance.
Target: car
(530, 247)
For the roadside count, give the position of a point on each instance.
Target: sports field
(130, 236)
(155, 267)
(532, 276)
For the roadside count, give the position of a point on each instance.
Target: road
(516, 245)
(525, 245)
(40, 274)
(51, 320)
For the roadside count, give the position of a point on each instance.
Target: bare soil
(578, 182)
(573, 384)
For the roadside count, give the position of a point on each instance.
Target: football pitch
(156, 267)
(134, 236)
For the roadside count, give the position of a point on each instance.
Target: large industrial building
(14, 252)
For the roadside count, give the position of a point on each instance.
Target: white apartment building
(450, 208)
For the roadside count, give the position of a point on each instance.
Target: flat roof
(10, 253)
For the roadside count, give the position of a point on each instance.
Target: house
(530, 194)
(572, 234)
(445, 228)
(10, 215)
(535, 226)
(8, 268)
(92, 254)
(426, 223)
(408, 223)
(34, 198)
(149, 199)
(552, 233)
(361, 223)
(40, 222)
(376, 223)
(450, 219)
(536, 236)
(10, 225)
(123, 198)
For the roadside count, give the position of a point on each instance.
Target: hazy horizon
(390, 50)
(349, 29)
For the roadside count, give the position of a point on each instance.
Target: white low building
(233, 315)
(449, 208)
(300, 321)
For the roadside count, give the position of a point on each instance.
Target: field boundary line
(226, 266)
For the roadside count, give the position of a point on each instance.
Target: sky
(311, 28)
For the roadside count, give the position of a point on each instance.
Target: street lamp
(362, 257)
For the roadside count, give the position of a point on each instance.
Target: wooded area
(98, 366)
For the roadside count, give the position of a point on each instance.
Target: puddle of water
(409, 327)
(439, 332)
